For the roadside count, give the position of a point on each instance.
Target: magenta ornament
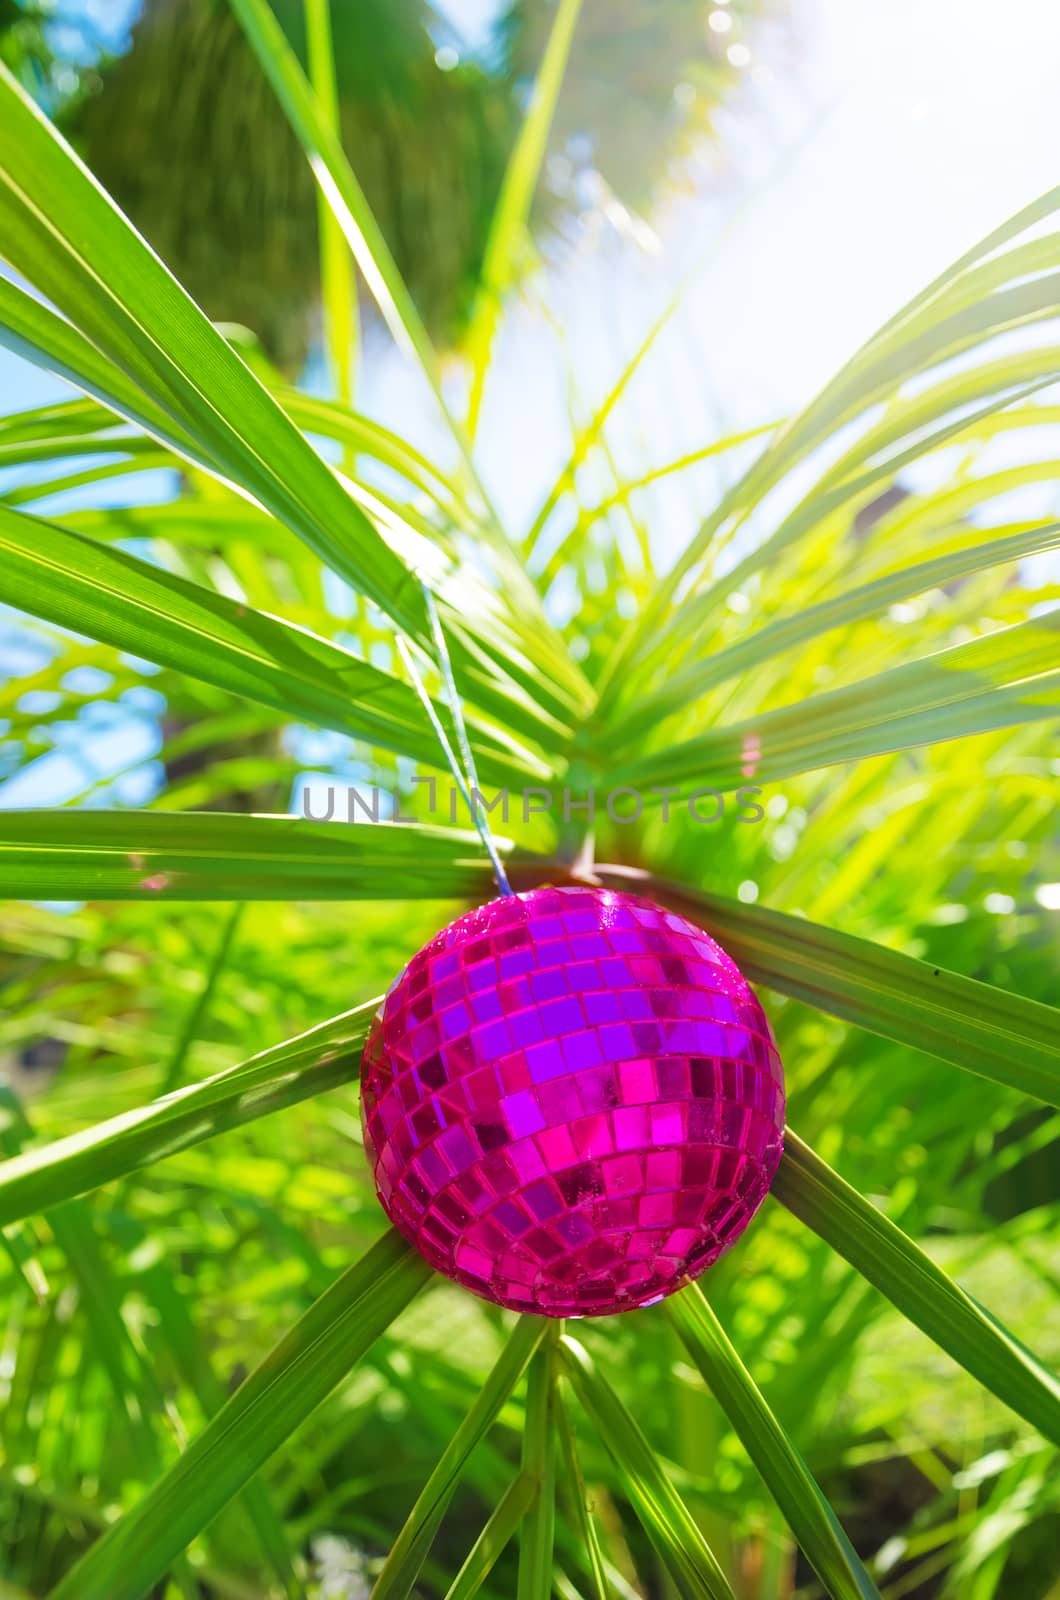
(572, 1102)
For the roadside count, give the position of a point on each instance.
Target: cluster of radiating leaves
(176, 1227)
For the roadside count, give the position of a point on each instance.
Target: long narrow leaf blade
(539, 1464)
(68, 239)
(138, 607)
(935, 327)
(409, 1550)
(196, 1368)
(591, 1553)
(289, 1384)
(342, 191)
(789, 633)
(663, 1514)
(883, 1254)
(490, 1544)
(972, 1025)
(808, 1513)
(40, 335)
(347, 200)
(337, 282)
(326, 1057)
(508, 224)
(1008, 677)
(155, 855)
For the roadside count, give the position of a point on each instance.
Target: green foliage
(807, 1512)
(304, 1367)
(913, 1283)
(200, 1394)
(668, 1523)
(220, 189)
(407, 1554)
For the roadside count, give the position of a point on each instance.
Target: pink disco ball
(572, 1102)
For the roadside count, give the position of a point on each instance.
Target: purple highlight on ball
(572, 1102)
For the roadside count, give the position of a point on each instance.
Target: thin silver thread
(443, 738)
(467, 785)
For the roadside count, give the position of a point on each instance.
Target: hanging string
(466, 777)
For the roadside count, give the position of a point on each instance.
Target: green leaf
(684, 687)
(188, 524)
(137, 1397)
(539, 1465)
(591, 434)
(786, 1474)
(21, 1246)
(497, 665)
(337, 283)
(64, 447)
(664, 1516)
(193, 1360)
(69, 240)
(200, 1006)
(286, 1388)
(589, 516)
(409, 1550)
(74, 1231)
(972, 1025)
(61, 418)
(136, 1394)
(36, 489)
(934, 328)
(919, 1289)
(1008, 677)
(96, 590)
(830, 498)
(508, 226)
(344, 195)
(155, 855)
(1028, 217)
(591, 1553)
(495, 1536)
(999, 381)
(341, 190)
(35, 332)
(921, 345)
(527, 667)
(327, 1057)
(364, 436)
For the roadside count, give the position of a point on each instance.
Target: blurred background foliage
(217, 182)
(128, 1314)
